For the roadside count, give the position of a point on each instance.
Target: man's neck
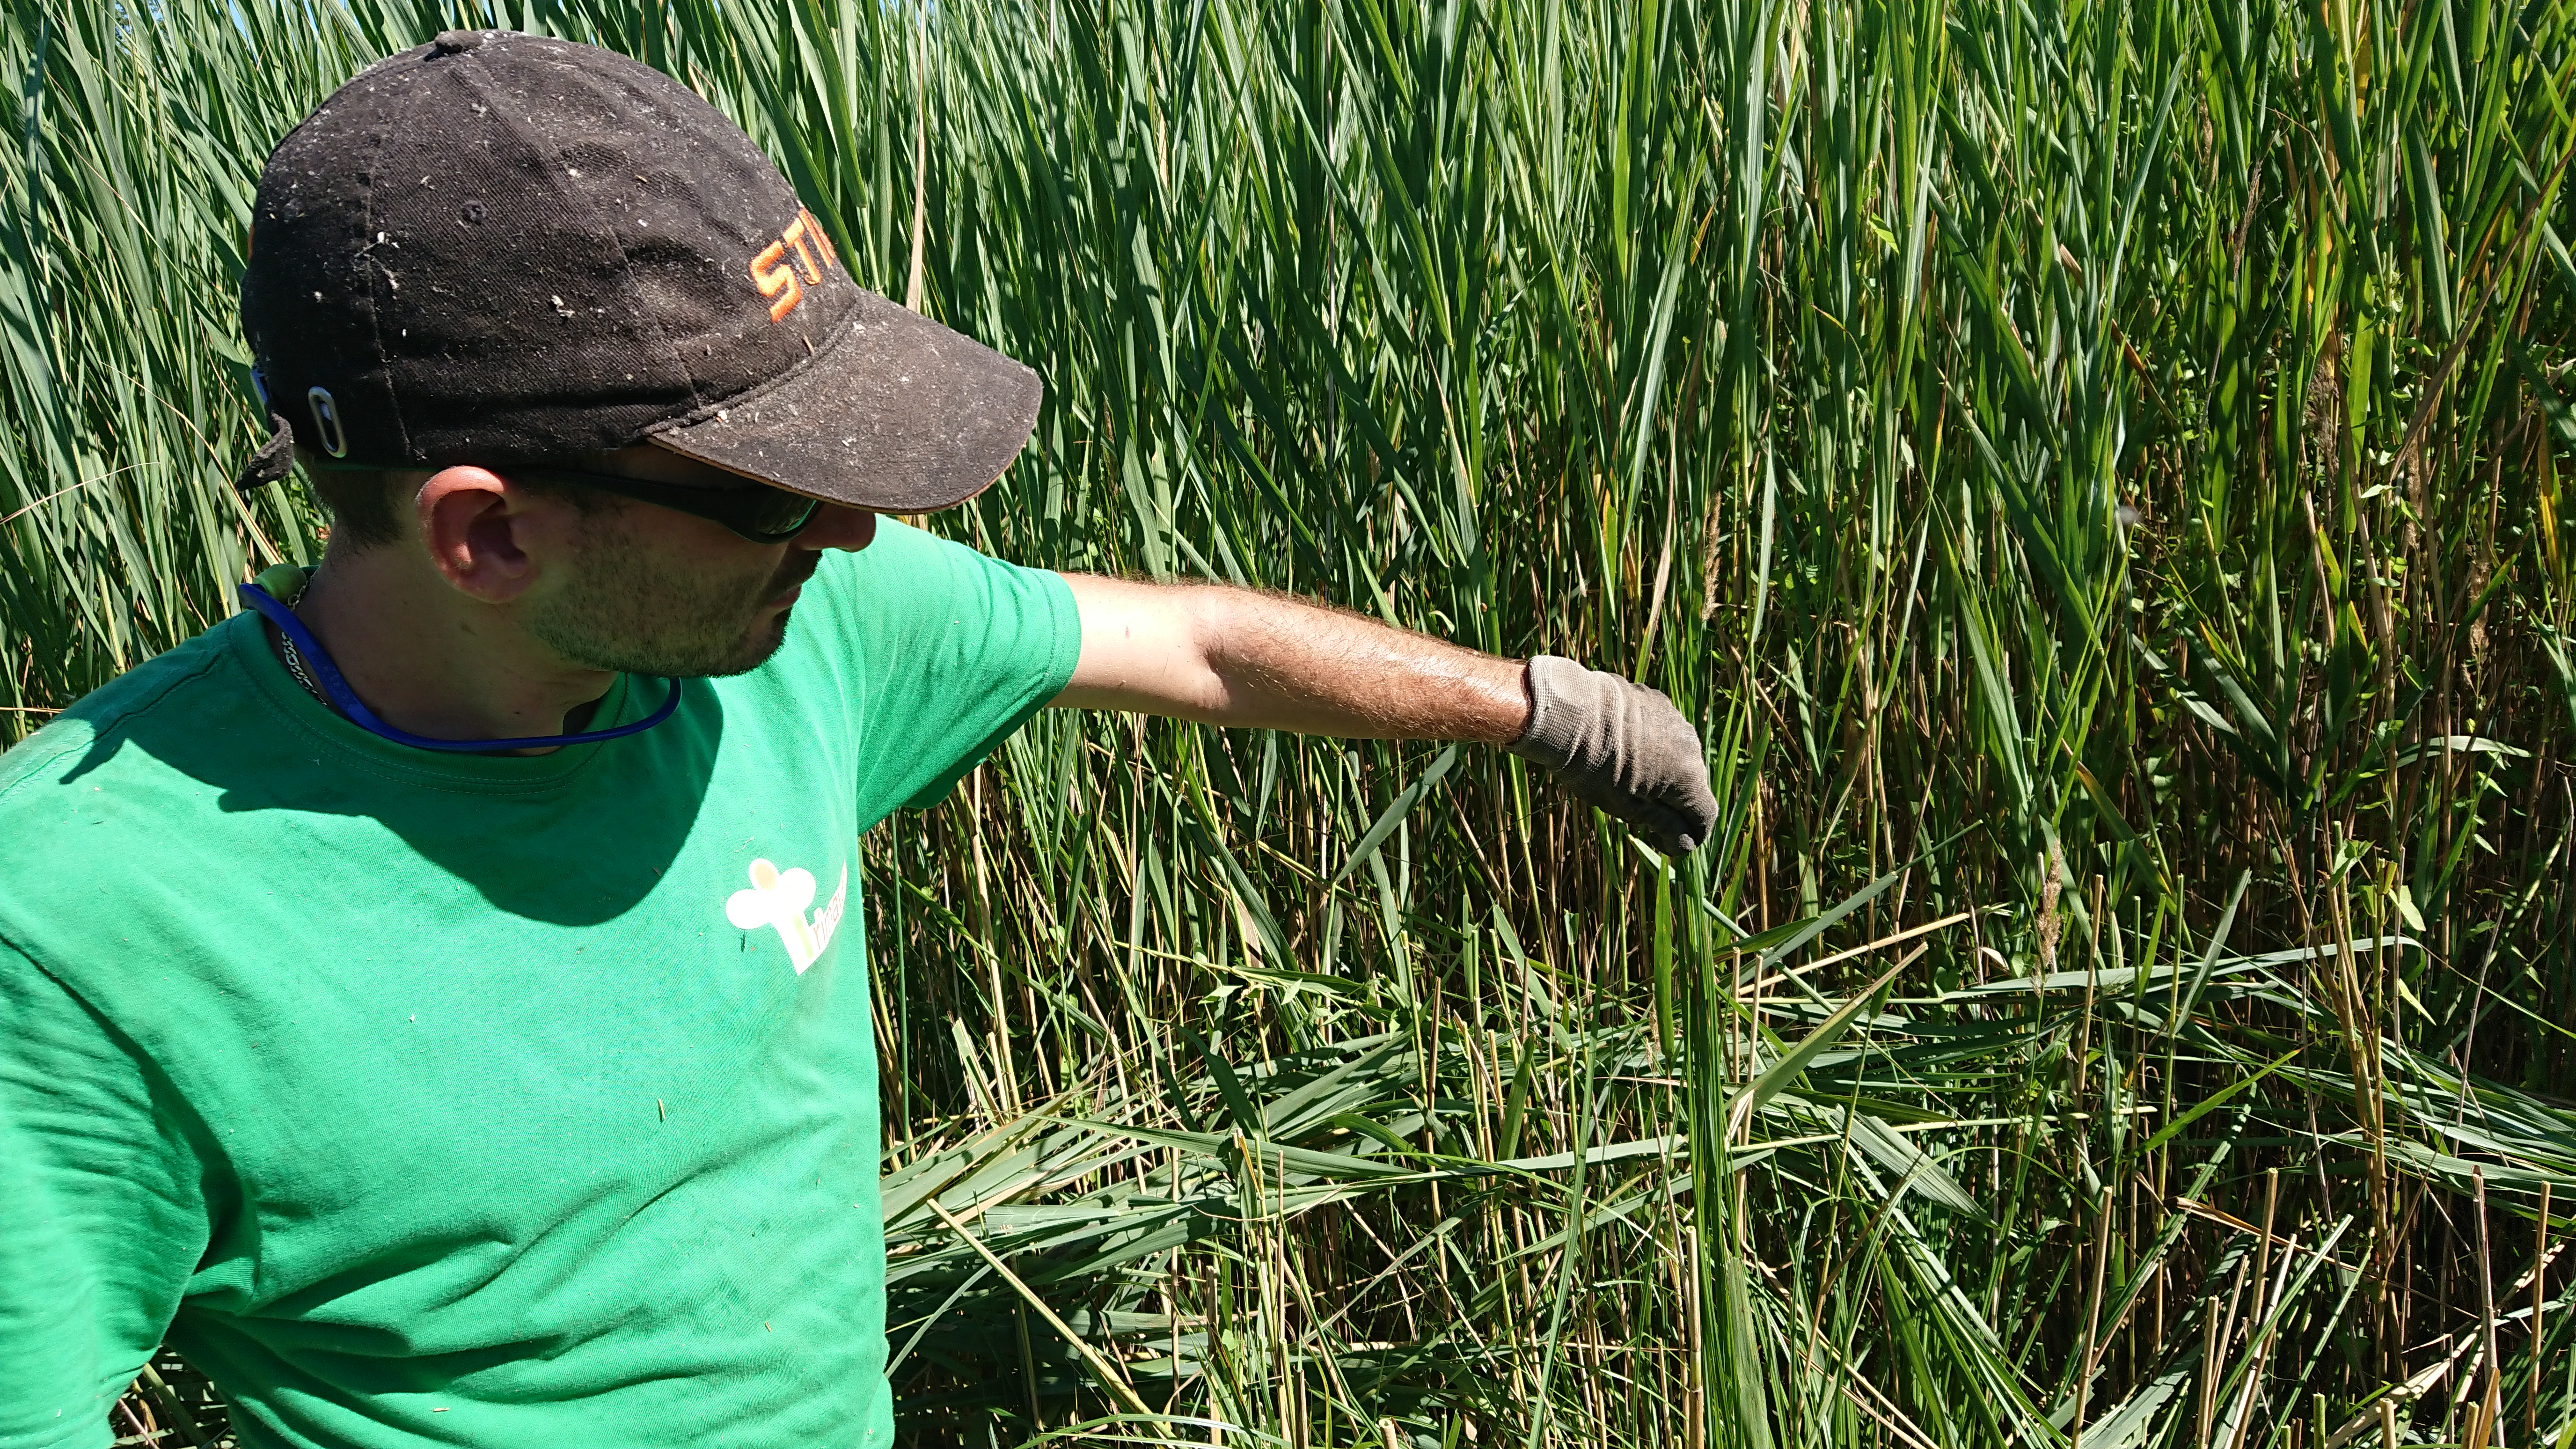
(434, 662)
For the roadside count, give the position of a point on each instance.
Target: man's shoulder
(131, 823)
(91, 738)
(911, 586)
(903, 550)
(908, 575)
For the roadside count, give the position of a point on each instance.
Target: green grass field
(2091, 470)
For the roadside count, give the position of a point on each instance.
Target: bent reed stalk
(2090, 470)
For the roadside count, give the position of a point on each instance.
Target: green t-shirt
(431, 1098)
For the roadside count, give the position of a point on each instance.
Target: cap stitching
(635, 295)
(375, 323)
(550, 157)
(839, 338)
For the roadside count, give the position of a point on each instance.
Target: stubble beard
(630, 611)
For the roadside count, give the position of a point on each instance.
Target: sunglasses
(754, 511)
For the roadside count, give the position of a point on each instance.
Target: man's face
(655, 591)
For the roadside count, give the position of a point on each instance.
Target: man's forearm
(1233, 657)
(1230, 656)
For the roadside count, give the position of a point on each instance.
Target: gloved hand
(1624, 748)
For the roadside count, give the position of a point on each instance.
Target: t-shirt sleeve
(48, 1339)
(102, 1217)
(959, 649)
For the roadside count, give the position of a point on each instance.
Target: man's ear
(488, 538)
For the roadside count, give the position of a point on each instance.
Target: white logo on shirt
(779, 898)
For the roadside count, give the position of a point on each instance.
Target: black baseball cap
(501, 248)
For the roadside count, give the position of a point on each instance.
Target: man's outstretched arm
(1229, 656)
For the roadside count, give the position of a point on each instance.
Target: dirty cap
(501, 248)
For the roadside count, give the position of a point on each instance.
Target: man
(431, 1001)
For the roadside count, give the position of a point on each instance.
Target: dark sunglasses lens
(773, 512)
(754, 510)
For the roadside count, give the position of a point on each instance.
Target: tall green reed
(2091, 470)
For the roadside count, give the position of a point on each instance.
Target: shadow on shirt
(567, 840)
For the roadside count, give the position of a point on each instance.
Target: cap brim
(896, 413)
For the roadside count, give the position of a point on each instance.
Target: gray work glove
(1622, 747)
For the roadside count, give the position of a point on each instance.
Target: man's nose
(837, 526)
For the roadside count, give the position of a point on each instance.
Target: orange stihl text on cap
(776, 276)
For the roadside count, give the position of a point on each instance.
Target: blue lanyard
(327, 675)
